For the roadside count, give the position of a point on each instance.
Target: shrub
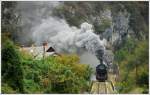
(7, 89)
(11, 67)
(62, 74)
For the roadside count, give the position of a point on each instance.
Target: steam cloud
(38, 23)
(32, 14)
(65, 38)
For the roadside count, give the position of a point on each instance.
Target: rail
(102, 88)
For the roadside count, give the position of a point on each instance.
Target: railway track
(102, 88)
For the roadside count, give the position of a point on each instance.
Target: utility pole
(44, 49)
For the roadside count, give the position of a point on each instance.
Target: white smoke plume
(65, 38)
(32, 14)
(38, 23)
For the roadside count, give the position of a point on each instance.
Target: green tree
(134, 68)
(12, 73)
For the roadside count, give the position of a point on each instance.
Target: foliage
(7, 89)
(127, 48)
(134, 72)
(23, 74)
(56, 75)
(101, 27)
(11, 66)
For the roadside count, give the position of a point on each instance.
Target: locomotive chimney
(99, 55)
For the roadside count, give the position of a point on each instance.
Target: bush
(62, 74)
(143, 78)
(11, 67)
(7, 89)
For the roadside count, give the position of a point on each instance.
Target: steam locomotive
(101, 72)
(101, 69)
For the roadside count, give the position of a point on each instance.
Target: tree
(12, 73)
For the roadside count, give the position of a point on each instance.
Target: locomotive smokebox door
(101, 72)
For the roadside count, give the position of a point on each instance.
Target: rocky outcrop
(118, 31)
